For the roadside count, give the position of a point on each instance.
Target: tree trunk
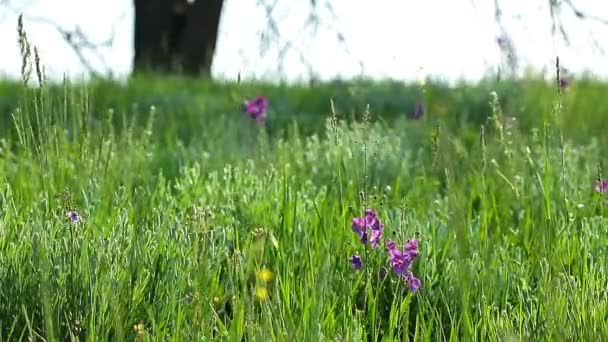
(152, 22)
(174, 36)
(200, 36)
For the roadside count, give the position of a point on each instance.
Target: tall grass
(209, 227)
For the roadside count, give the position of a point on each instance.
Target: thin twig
(313, 22)
(584, 15)
(78, 40)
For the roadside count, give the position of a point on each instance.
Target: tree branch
(77, 40)
(584, 15)
(313, 22)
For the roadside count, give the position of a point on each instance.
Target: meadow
(158, 210)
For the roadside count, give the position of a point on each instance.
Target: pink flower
(602, 186)
(256, 108)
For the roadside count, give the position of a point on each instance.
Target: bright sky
(450, 39)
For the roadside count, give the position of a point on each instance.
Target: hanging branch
(76, 39)
(557, 26)
(312, 24)
(80, 44)
(584, 15)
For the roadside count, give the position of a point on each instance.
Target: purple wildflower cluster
(256, 109)
(369, 231)
(602, 186)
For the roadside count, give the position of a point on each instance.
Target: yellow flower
(261, 293)
(265, 275)
(139, 329)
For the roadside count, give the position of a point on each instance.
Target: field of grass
(158, 211)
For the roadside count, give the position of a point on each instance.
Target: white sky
(450, 39)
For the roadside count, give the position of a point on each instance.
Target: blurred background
(304, 40)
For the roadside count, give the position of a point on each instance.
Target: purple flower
(410, 250)
(256, 108)
(360, 229)
(356, 262)
(411, 247)
(602, 186)
(413, 282)
(563, 83)
(361, 225)
(73, 216)
(417, 113)
(390, 246)
(401, 261)
(375, 238)
(371, 219)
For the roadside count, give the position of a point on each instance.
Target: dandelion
(256, 108)
(265, 275)
(602, 186)
(261, 293)
(356, 262)
(73, 216)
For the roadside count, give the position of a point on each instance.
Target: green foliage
(184, 203)
(459, 107)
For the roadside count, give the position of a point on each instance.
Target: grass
(185, 204)
(458, 107)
